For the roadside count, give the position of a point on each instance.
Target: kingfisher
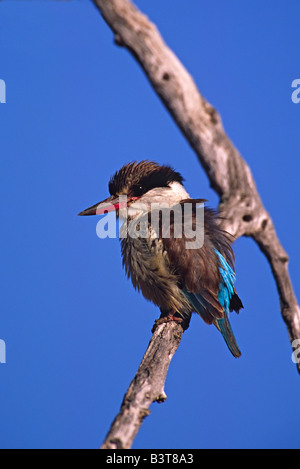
(178, 279)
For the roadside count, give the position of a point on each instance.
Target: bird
(180, 281)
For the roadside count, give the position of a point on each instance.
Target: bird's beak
(108, 205)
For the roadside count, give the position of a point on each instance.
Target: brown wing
(198, 269)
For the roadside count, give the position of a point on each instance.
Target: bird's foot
(169, 318)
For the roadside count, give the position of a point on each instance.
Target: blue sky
(77, 109)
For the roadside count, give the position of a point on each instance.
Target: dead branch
(229, 175)
(146, 387)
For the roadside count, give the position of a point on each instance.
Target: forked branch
(229, 175)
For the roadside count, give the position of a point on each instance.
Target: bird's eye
(138, 190)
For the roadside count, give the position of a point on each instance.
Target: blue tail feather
(227, 333)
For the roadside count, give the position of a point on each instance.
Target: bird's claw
(168, 318)
(164, 319)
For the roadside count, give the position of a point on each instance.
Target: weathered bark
(230, 176)
(146, 387)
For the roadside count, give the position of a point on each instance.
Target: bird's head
(138, 185)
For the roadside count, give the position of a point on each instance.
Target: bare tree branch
(229, 175)
(146, 387)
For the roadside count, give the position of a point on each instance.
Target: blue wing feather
(225, 293)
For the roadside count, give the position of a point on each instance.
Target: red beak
(107, 205)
